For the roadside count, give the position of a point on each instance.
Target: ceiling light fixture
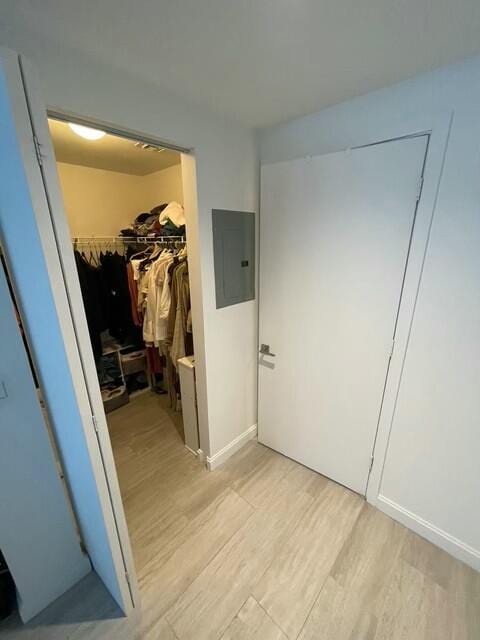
(86, 132)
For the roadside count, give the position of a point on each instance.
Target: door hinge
(420, 187)
(38, 150)
(3, 391)
(371, 464)
(128, 578)
(95, 424)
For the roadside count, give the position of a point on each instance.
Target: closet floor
(151, 461)
(261, 548)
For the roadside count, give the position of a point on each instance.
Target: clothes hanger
(98, 254)
(181, 253)
(91, 258)
(158, 250)
(140, 253)
(157, 253)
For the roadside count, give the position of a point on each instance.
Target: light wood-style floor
(261, 549)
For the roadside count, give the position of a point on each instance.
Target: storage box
(133, 362)
(114, 398)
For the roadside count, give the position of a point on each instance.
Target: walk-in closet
(123, 200)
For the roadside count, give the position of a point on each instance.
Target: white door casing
(334, 239)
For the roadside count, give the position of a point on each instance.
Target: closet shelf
(141, 239)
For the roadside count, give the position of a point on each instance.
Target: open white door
(334, 243)
(37, 532)
(38, 249)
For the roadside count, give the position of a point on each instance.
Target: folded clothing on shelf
(163, 220)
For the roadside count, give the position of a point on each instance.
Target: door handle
(265, 350)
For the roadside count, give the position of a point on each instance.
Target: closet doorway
(124, 204)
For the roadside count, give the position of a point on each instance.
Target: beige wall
(100, 202)
(163, 186)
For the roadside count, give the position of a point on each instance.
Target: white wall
(100, 202)
(431, 475)
(227, 174)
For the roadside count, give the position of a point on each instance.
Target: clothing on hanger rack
(164, 301)
(91, 289)
(137, 292)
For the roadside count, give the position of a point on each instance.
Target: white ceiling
(261, 61)
(110, 152)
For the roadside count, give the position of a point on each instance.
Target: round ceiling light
(86, 132)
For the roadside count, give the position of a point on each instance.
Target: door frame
(71, 283)
(55, 244)
(437, 127)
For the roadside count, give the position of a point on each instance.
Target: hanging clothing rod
(139, 239)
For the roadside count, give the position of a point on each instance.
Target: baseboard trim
(232, 447)
(195, 453)
(435, 535)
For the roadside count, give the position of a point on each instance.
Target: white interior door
(334, 239)
(37, 532)
(38, 248)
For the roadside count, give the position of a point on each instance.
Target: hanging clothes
(154, 361)
(116, 296)
(181, 344)
(137, 318)
(142, 299)
(156, 302)
(178, 341)
(105, 285)
(159, 293)
(92, 288)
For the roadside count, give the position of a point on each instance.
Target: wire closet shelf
(128, 239)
